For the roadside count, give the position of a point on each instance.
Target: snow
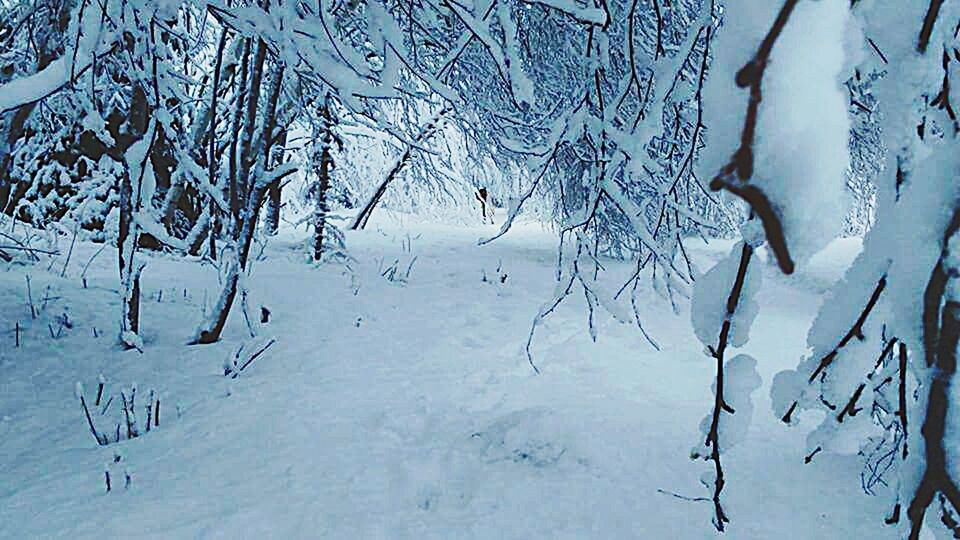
(800, 151)
(92, 42)
(709, 304)
(803, 127)
(741, 380)
(424, 421)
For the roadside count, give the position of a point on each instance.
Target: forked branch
(734, 177)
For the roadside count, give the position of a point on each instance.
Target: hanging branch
(719, 405)
(933, 11)
(741, 163)
(851, 409)
(855, 331)
(941, 334)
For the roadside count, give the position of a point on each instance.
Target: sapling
(128, 415)
(500, 272)
(33, 309)
(101, 382)
(69, 252)
(106, 406)
(149, 410)
(78, 393)
(83, 274)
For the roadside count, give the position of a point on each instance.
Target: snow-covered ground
(392, 410)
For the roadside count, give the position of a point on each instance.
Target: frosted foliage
(709, 303)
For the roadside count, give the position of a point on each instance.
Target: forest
(479, 269)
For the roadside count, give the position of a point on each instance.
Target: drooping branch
(851, 409)
(742, 162)
(855, 331)
(719, 405)
(941, 333)
(929, 20)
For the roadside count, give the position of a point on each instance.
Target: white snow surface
(388, 410)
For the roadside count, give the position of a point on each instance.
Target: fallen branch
(235, 372)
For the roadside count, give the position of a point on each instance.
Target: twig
(69, 252)
(93, 430)
(902, 405)
(33, 310)
(253, 357)
(856, 331)
(31, 250)
(683, 497)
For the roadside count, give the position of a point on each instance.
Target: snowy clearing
(404, 410)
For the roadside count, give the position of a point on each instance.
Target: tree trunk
(272, 219)
(323, 179)
(364, 216)
(210, 333)
(240, 92)
(432, 126)
(247, 182)
(129, 231)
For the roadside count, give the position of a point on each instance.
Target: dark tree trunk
(323, 179)
(253, 191)
(272, 220)
(129, 232)
(364, 216)
(427, 131)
